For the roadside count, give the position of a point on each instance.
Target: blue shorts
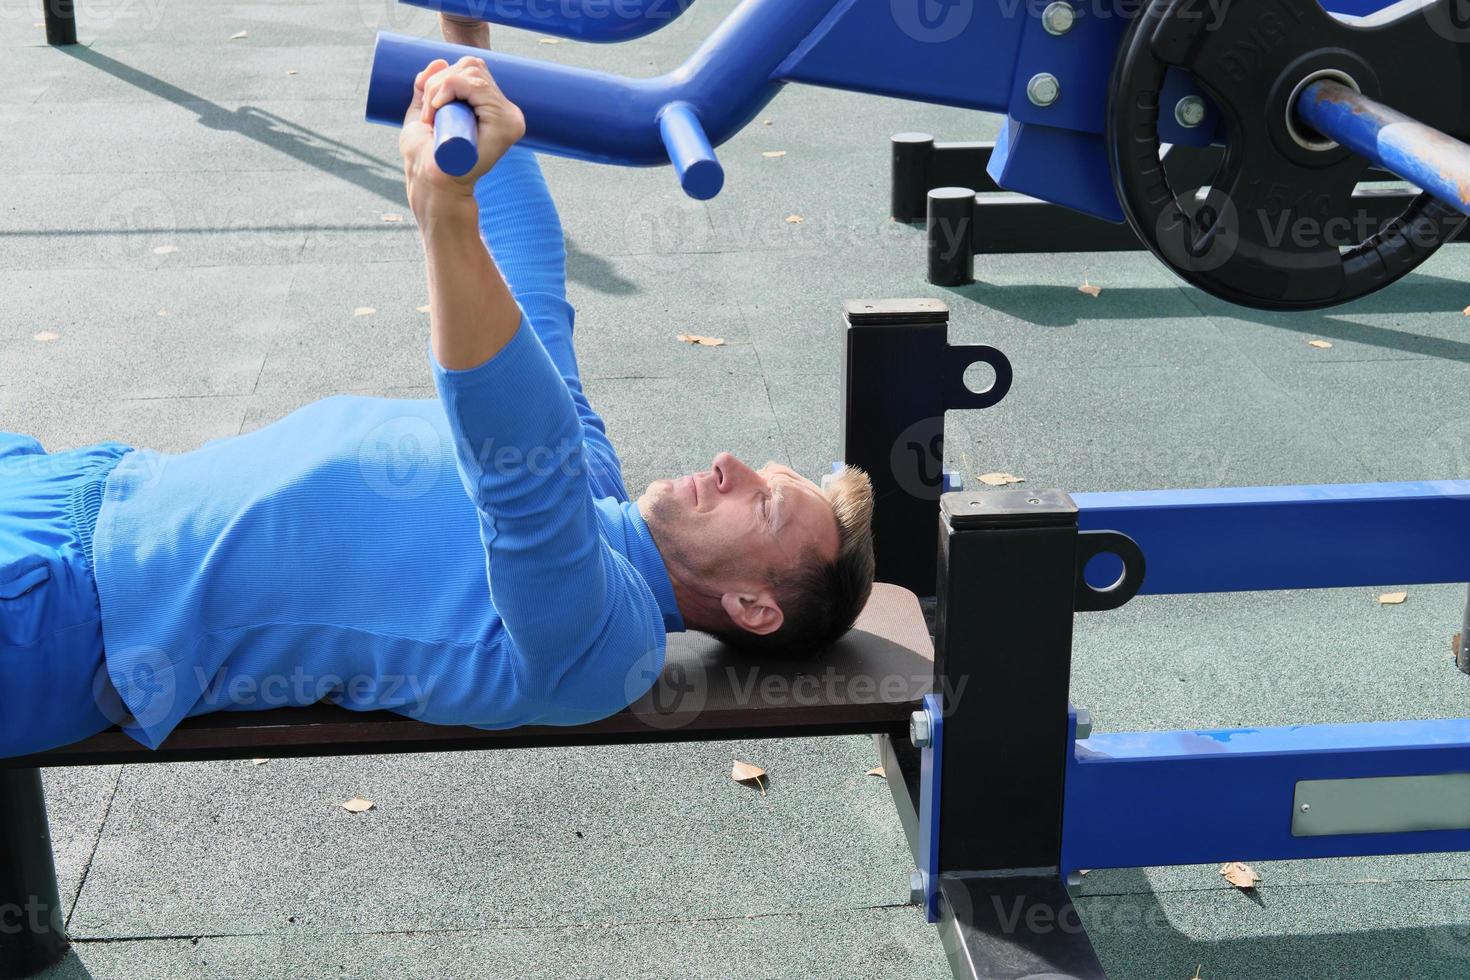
(54, 688)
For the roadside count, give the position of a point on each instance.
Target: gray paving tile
(77, 803)
(866, 942)
(165, 424)
(215, 848)
(1345, 932)
(138, 331)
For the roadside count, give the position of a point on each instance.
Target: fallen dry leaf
(259, 762)
(292, 71)
(1393, 598)
(698, 341)
(1196, 972)
(1467, 311)
(1320, 344)
(1000, 479)
(422, 309)
(46, 336)
(878, 771)
(745, 772)
(1089, 289)
(239, 35)
(1241, 875)
(393, 218)
(1455, 646)
(357, 805)
(364, 311)
(551, 40)
(767, 122)
(165, 250)
(773, 154)
(794, 219)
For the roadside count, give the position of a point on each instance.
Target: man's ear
(754, 612)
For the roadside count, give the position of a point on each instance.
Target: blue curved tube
(599, 21)
(1420, 154)
(456, 147)
(700, 174)
(605, 118)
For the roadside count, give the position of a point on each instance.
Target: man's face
(730, 528)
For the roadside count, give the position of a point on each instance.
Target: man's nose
(730, 473)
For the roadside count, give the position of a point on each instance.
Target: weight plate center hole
(1302, 134)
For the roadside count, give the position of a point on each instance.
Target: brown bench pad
(870, 681)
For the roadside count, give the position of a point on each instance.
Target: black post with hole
(900, 376)
(61, 22)
(32, 926)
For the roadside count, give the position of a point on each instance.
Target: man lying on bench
(470, 560)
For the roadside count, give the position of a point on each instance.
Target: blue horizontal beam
(1310, 537)
(1196, 797)
(598, 21)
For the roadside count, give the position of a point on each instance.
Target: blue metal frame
(977, 54)
(1192, 797)
(931, 767)
(1308, 537)
(1188, 797)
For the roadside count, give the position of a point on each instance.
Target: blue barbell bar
(1420, 154)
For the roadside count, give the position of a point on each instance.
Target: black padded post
(910, 175)
(1003, 655)
(61, 21)
(32, 927)
(951, 218)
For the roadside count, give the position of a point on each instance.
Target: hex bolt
(921, 730)
(1043, 89)
(1189, 111)
(1058, 18)
(916, 888)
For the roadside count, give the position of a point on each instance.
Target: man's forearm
(472, 313)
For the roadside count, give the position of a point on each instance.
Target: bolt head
(1058, 18)
(1189, 111)
(1043, 89)
(1306, 807)
(921, 730)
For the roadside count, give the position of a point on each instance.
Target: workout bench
(1001, 786)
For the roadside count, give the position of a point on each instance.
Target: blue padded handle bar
(456, 147)
(599, 21)
(589, 115)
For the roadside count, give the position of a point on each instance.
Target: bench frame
(982, 792)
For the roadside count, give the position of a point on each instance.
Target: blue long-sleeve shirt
(472, 559)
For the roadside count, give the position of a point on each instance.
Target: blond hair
(820, 600)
